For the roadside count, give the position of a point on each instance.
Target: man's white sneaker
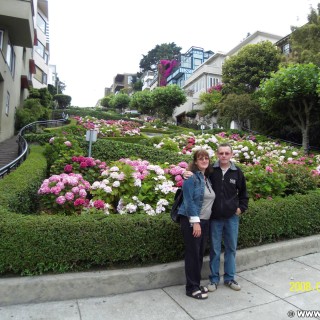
(234, 285)
(212, 286)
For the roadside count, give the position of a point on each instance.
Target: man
(231, 200)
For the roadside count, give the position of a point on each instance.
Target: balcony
(178, 73)
(16, 17)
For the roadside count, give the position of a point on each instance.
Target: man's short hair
(225, 145)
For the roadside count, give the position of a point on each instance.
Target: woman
(195, 212)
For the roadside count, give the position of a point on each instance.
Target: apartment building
(210, 74)
(187, 63)
(17, 36)
(41, 49)
(21, 24)
(121, 81)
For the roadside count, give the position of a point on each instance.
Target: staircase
(8, 151)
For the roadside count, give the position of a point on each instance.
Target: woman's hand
(196, 230)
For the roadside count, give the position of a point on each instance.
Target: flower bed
(129, 186)
(110, 128)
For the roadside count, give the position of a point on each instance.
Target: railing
(23, 147)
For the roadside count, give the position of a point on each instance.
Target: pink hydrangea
(68, 143)
(68, 168)
(99, 204)
(61, 200)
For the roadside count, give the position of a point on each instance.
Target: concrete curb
(21, 290)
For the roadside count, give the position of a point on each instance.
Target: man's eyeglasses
(224, 153)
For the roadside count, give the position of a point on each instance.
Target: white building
(24, 55)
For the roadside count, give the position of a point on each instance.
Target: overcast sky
(91, 41)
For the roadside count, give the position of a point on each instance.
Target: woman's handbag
(178, 198)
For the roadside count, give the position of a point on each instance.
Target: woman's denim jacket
(193, 193)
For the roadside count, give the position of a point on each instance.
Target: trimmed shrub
(19, 188)
(39, 244)
(279, 219)
(107, 150)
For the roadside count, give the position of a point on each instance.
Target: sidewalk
(276, 280)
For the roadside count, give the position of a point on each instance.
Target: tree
(120, 101)
(239, 108)
(142, 101)
(292, 92)
(105, 102)
(32, 111)
(305, 41)
(210, 100)
(57, 90)
(63, 100)
(43, 95)
(165, 99)
(136, 84)
(243, 72)
(165, 51)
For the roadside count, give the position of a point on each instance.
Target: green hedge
(107, 150)
(19, 188)
(38, 244)
(281, 218)
(40, 138)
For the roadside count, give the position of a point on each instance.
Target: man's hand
(238, 212)
(187, 174)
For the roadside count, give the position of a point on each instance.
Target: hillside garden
(63, 211)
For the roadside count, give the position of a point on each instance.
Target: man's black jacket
(231, 191)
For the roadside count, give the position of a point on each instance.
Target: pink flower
(83, 164)
(98, 204)
(183, 164)
(61, 200)
(79, 202)
(178, 178)
(51, 140)
(179, 183)
(68, 143)
(82, 193)
(269, 169)
(68, 168)
(69, 196)
(55, 190)
(75, 190)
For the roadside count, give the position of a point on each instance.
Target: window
(286, 49)
(41, 23)
(8, 103)
(10, 58)
(197, 63)
(40, 49)
(1, 38)
(40, 76)
(46, 58)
